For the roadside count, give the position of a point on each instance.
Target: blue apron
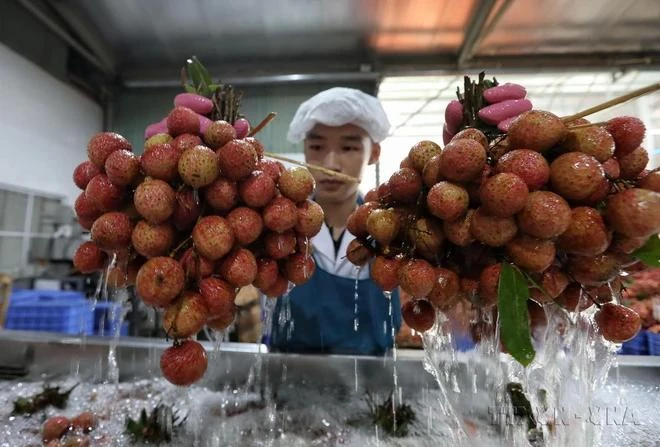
(323, 315)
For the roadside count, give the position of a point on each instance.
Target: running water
(356, 315)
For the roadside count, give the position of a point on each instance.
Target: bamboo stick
(613, 102)
(329, 172)
(583, 126)
(264, 122)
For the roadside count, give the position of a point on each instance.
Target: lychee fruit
(112, 231)
(198, 167)
(530, 166)
(594, 141)
(186, 316)
(182, 120)
(280, 245)
(492, 230)
(219, 133)
(462, 160)
(503, 195)
(421, 153)
(159, 281)
(151, 240)
(472, 134)
(267, 273)
(239, 267)
(85, 421)
(103, 194)
(84, 172)
(553, 281)
(458, 231)
(299, 268)
(296, 184)
(612, 168)
(405, 185)
(85, 208)
(257, 145)
(271, 167)
(186, 209)
(383, 225)
(103, 144)
(617, 323)
(587, 233)
(531, 254)
(651, 181)
(280, 214)
(536, 130)
(406, 163)
(89, 258)
(626, 245)
(246, 224)
(431, 173)
(237, 159)
(154, 200)
(195, 266)
(419, 314)
(184, 142)
(628, 133)
(445, 289)
(122, 167)
(54, 428)
(213, 237)
(222, 194)
(158, 138)
(594, 270)
(357, 220)
(358, 253)
(417, 277)
(546, 215)
(257, 189)
(278, 289)
(489, 281)
(161, 162)
(219, 297)
(634, 212)
(310, 218)
(633, 163)
(575, 175)
(426, 236)
(184, 363)
(385, 272)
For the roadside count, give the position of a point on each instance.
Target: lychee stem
(180, 246)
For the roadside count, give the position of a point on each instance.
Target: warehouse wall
(134, 109)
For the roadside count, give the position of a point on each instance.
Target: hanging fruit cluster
(516, 206)
(200, 214)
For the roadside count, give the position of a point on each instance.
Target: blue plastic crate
(50, 311)
(653, 343)
(636, 346)
(104, 324)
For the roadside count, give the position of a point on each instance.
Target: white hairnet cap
(336, 107)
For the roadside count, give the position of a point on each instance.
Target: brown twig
(181, 245)
(264, 122)
(329, 172)
(583, 126)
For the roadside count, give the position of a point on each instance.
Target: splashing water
(356, 315)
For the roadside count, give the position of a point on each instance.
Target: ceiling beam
(478, 20)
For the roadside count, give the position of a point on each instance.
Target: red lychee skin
(489, 281)
(462, 160)
(425, 234)
(458, 231)
(219, 133)
(257, 145)
(152, 240)
(634, 212)
(417, 277)
(267, 273)
(54, 428)
(299, 268)
(89, 258)
(526, 164)
(546, 215)
(86, 222)
(280, 245)
(651, 181)
(575, 175)
(617, 323)
(185, 141)
(445, 289)
(601, 192)
(154, 200)
(182, 120)
(222, 194)
(223, 322)
(257, 189)
(271, 167)
(628, 133)
(84, 207)
(184, 364)
(186, 316)
(278, 289)
(406, 163)
(531, 254)
(357, 221)
(103, 194)
(405, 185)
(246, 224)
(85, 421)
(186, 210)
(384, 194)
(159, 281)
(198, 167)
(296, 184)
(554, 282)
(112, 231)
(587, 234)
(385, 272)
(447, 201)
(310, 218)
(504, 195)
(213, 237)
(161, 162)
(371, 195)
(537, 130)
(103, 144)
(123, 275)
(419, 314)
(195, 266)
(431, 173)
(594, 141)
(357, 253)
(122, 167)
(239, 267)
(219, 297)
(633, 163)
(612, 168)
(84, 172)
(238, 159)
(594, 270)
(421, 153)
(472, 134)
(280, 215)
(492, 230)
(624, 245)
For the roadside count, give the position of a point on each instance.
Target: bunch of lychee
(194, 218)
(565, 207)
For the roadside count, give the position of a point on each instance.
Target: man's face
(347, 149)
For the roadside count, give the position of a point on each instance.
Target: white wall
(44, 127)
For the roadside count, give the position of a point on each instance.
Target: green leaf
(206, 77)
(189, 88)
(512, 296)
(649, 254)
(194, 74)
